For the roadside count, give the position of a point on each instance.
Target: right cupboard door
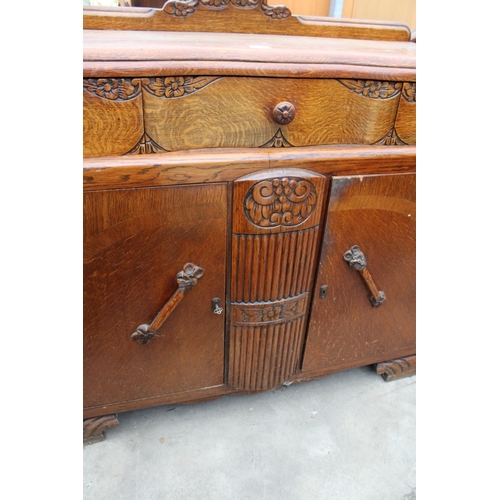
(368, 248)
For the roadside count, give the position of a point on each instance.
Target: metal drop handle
(186, 279)
(356, 259)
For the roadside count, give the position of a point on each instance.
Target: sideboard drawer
(157, 114)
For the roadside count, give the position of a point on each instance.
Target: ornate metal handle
(356, 259)
(186, 279)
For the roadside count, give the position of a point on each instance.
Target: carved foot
(94, 428)
(397, 368)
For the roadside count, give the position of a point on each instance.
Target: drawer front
(151, 115)
(136, 242)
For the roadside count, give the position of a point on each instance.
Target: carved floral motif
(215, 3)
(146, 145)
(176, 86)
(186, 8)
(279, 12)
(181, 9)
(373, 89)
(114, 89)
(391, 139)
(277, 141)
(410, 92)
(287, 310)
(288, 201)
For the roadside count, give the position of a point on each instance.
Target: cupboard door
(136, 241)
(376, 214)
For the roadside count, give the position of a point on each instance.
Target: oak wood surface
(377, 213)
(111, 127)
(241, 68)
(276, 227)
(122, 46)
(195, 167)
(233, 19)
(135, 242)
(238, 112)
(406, 121)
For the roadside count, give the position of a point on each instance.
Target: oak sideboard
(249, 202)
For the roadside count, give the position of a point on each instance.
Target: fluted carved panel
(276, 224)
(261, 358)
(272, 266)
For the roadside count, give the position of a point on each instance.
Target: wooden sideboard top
(139, 53)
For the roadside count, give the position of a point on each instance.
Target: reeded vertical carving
(272, 272)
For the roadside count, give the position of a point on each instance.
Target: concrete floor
(348, 436)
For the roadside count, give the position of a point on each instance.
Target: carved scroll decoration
(373, 89)
(146, 145)
(391, 139)
(188, 7)
(176, 86)
(277, 141)
(94, 429)
(410, 92)
(288, 201)
(397, 368)
(113, 89)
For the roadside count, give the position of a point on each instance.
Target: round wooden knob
(284, 113)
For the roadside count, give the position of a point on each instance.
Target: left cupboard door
(136, 241)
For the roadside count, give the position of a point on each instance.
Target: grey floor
(348, 436)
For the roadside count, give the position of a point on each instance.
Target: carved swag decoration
(288, 201)
(176, 86)
(373, 89)
(188, 7)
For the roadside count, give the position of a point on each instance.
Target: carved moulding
(373, 89)
(176, 86)
(267, 313)
(94, 428)
(397, 368)
(113, 89)
(287, 201)
(277, 141)
(188, 7)
(391, 139)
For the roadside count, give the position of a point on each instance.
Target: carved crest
(288, 201)
(187, 7)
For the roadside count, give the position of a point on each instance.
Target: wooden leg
(94, 428)
(397, 368)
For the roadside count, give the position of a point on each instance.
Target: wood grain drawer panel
(407, 115)
(111, 125)
(150, 115)
(237, 112)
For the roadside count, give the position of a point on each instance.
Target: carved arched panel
(276, 222)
